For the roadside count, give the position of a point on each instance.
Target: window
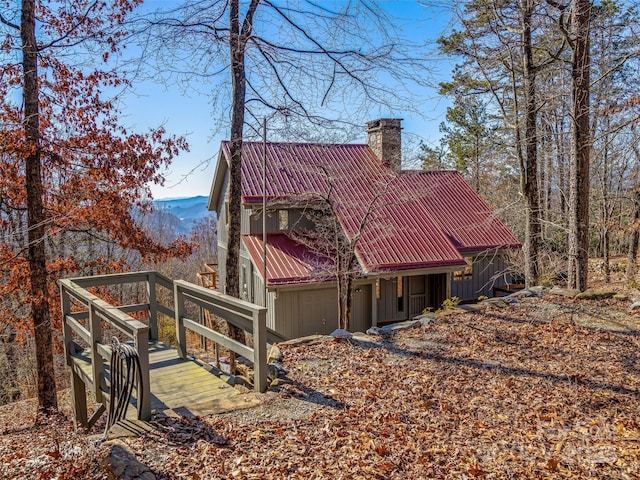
(400, 294)
(226, 212)
(283, 219)
(467, 273)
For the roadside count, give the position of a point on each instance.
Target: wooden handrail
(87, 324)
(245, 315)
(99, 311)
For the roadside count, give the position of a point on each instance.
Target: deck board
(185, 386)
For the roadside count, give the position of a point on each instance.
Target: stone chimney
(385, 141)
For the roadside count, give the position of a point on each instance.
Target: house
(420, 236)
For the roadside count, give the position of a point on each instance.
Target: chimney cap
(384, 123)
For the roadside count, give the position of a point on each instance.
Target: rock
(341, 333)
(275, 370)
(529, 292)
(121, 464)
(363, 337)
(308, 340)
(275, 354)
(634, 306)
(427, 319)
(401, 325)
(375, 331)
(469, 307)
(593, 294)
(621, 297)
(495, 302)
(278, 382)
(564, 292)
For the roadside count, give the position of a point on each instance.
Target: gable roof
(409, 221)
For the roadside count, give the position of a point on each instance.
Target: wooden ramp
(189, 386)
(184, 387)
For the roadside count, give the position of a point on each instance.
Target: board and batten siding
(299, 313)
(489, 270)
(296, 220)
(222, 265)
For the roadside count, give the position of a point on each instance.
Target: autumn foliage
(94, 172)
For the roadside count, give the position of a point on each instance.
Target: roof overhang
(218, 182)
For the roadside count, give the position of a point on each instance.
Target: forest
(542, 120)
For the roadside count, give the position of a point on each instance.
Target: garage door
(318, 311)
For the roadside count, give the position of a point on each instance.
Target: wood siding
(489, 270)
(297, 221)
(306, 312)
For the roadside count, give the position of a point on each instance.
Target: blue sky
(191, 114)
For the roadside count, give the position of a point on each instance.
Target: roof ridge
(300, 144)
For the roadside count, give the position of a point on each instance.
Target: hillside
(180, 214)
(545, 388)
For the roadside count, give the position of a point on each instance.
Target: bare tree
(576, 28)
(333, 245)
(502, 60)
(302, 63)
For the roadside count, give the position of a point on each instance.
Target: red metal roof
(459, 211)
(409, 221)
(287, 260)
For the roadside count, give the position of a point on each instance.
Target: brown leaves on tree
(95, 173)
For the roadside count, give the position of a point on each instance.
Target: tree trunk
(606, 216)
(581, 147)
(635, 236)
(237, 42)
(531, 192)
(47, 400)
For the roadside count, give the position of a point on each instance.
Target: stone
(275, 354)
(634, 306)
(495, 302)
(308, 340)
(278, 382)
(470, 307)
(564, 292)
(536, 291)
(275, 370)
(121, 464)
(593, 294)
(341, 333)
(375, 331)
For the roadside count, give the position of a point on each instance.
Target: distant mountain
(181, 213)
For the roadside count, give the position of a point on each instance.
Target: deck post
(79, 394)
(260, 350)
(181, 334)
(144, 390)
(97, 363)
(67, 333)
(153, 306)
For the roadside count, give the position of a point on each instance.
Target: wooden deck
(184, 387)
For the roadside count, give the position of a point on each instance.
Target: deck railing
(417, 304)
(247, 316)
(94, 310)
(95, 313)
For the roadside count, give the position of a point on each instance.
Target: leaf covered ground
(529, 391)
